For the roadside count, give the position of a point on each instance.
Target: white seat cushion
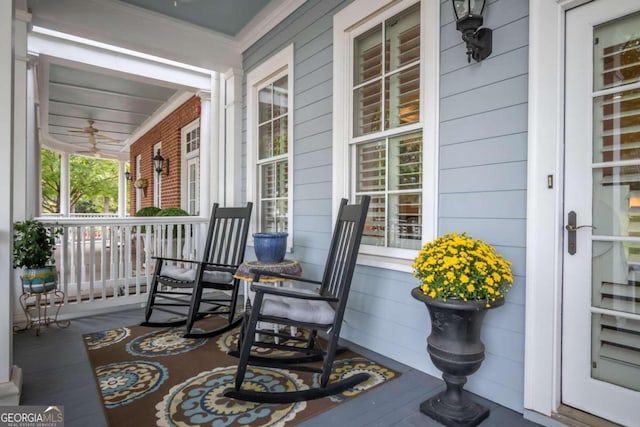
(301, 310)
(189, 274)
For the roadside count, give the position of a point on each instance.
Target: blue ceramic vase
(270, 247)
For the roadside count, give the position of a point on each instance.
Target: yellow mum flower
(456, 265)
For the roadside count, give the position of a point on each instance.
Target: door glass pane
(616, 351)
(617, 126)
(616, 276)
(617, 52)
(615, 273)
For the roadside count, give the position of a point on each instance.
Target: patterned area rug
(154, 377)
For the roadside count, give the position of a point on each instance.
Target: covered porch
(65, 377)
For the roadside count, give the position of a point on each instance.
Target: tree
(93, 182)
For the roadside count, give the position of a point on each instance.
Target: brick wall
(167, 132)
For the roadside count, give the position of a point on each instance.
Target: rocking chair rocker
(315, 311)
(174, 286)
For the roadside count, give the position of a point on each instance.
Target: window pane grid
(398, 88)
(387, 146)
(390, 171)
(272, 162)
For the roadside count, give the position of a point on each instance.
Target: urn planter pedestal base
(455, 348)
(454, 411)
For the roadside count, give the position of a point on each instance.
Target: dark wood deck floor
(56, 371)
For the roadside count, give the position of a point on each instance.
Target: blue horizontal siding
(482, 182)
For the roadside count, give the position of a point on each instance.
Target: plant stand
(36, 300)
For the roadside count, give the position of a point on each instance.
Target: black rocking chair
(180, 283)
(315, 311)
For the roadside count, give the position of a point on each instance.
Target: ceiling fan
(94, 134)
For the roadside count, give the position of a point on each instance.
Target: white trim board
(544, 205)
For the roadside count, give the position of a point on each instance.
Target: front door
(601, 278)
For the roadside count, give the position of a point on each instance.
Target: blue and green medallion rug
(154, 377)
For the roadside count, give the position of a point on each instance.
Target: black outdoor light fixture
(160, 164)
(468, 22)
(127, 176)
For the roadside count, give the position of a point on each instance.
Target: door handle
(574, 228)
(571, 229)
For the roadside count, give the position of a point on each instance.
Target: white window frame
(184, 178)
(270, 70)
(347, 24)
(157, 178)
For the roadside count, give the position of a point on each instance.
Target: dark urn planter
(456, 349)
(270, 247)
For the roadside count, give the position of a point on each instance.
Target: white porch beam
(61, 50)
(120, 24)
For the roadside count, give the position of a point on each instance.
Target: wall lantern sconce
(160, 164)
(468, 22)
(127, 176)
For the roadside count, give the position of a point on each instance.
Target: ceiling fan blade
(107, 137)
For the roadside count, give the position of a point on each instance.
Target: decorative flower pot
(270, 247)
(38, 280)
(455, 348)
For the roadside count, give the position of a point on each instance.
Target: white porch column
(231, 136)
(206, 143)
(10, 376)
(65, 184)
(122, 189)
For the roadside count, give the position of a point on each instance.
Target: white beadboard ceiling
(95, 111)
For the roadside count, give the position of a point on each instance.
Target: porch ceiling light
(160, 164)
(468, 21)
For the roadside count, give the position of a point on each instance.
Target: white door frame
(545, 220)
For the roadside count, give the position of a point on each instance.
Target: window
(191, 167)
(269, 130)
(390, 134)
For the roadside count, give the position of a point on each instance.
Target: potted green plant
(460, 279)
(33, 246)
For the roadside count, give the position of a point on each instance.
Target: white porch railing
(105, 264)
